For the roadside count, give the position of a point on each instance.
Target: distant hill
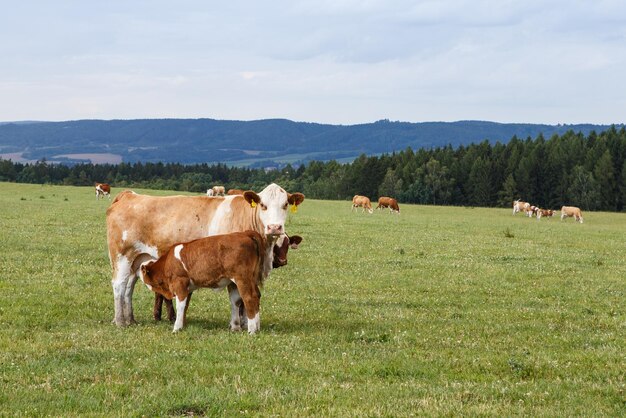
(247, 143)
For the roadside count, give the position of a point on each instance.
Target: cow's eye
(286, 205)
(263, 207)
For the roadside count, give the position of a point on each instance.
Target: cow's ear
(294, 241)
(295, 198)
(144, 270)
(251, 197)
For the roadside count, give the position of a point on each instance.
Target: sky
(338, 62)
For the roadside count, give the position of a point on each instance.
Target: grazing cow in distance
(141, 227)
(571, 211)
(234, 192)
(210, 192)
(218, 191)
(103, 189)
(532, 211)
(546, 213)
(520, 206)
(239, 258)
(388, 202)
(281, 248)
(362, 202)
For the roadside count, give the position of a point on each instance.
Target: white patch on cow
(146, 249)
(124, 235)
(141, 272)
(220, 216)
(177, 251)
(274, 198)
(180, 312)
(254, 324)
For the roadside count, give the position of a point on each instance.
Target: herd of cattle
(531, 210)
(384, 202)
(177, 244)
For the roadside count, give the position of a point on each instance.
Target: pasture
(438, 311)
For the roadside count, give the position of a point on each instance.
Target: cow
(234, 192)
(218, 191)
(281, 248)
(210, 193)
(141, 227)
(362, 202)
(520, 206)
(531, 210)
(546, 213)
(571, 211)
(103, 189)
(239, 258)
(388, 202)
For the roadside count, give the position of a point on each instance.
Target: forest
(588, 171)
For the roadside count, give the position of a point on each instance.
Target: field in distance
(438, 311)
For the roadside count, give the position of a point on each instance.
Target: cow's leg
(235, 307)
(121, 276)
(181, 309)
(251, 299)
(171, 313)
(128, 300)
(180, 288)
(158, 306)
(562, 216)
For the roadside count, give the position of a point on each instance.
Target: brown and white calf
(572, 211)
(141, 227)
(520, 206)
(362, 202)
(280, 251)
(239, 258)
(532, 211)
(388, 202)
(103, 189)
(546, 213)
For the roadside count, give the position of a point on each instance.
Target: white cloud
(326, 61)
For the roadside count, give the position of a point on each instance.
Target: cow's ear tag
(253, 204)
(294, 208)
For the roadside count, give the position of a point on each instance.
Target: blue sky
(341, 62)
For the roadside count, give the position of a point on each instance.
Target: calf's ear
(294, 241)
(251, 197)
(295, 198)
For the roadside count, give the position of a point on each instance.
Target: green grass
(438, 311)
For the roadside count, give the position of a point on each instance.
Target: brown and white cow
(234, 191)
(572, 211)
(520, 206)
(388, 202)
(546, 213)
(531, 210)
(103, 189)
(361, 202)
(239, 258)
(281, 249)
(141, 227)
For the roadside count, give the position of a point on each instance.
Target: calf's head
(153, 279)
(272, 205)
(281, 248)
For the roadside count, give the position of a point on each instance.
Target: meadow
(438, 311)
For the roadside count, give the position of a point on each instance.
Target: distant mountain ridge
(253, 143)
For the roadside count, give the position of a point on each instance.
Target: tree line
(586, 171)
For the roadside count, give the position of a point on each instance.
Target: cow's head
(272, 205)
(281, 248)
